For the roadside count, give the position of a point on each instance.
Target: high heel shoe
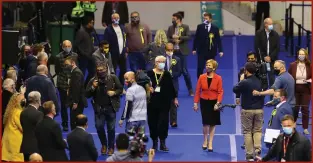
(204, 147)
(210, 149)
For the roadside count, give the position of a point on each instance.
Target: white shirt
(301, 74)
(278, 105)
(120, 37)
(208, 26)
(268, 42)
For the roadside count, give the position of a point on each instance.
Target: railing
(289, 31)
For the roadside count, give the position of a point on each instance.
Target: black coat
(51, 144)
(76, 93)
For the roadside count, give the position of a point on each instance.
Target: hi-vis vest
(81, 7)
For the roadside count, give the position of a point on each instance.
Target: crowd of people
(151, 92)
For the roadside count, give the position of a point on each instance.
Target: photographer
(123, 154)
(260, 73)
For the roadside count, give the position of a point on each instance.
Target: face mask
(128, 83)
(23, 103)
(101, 74)
(67, 50)
(161, 66)
(135, 20)
(276, 101)
(288, 130)
(174, 23)
(169, 53)
(116, 21)
(301, 57)
(68, 67)
(209, 70)
(270, 27)
(106, 50)
(276, 72)
(206, 22)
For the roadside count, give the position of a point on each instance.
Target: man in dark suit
(49, 136)
(29, 118)
(81, 144)
(76, 92)
(207, 42)
(110, 8)
(173, 65)
(103, 54)
(32, 61)
(43, 85)
(63, 75)
(179, 35)
(266, 44)
(116, 36)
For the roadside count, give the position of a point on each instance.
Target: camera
(261, 74)
(138, 144)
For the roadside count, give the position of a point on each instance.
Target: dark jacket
(81, 146)
(152, 50)
(184, 37)
(112, 84)
(76, 92)
(30, 117)
(83, 45)
(121, 9)
(299, 149)
(201, 42)
(98, 57)
(31, 64)
(260, 44)
(60, 70)
(45, 87)
(245, 88)
(175, 69)
(111, 37)
(50, 141)
(281, 111)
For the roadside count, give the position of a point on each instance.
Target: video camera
(138, 144)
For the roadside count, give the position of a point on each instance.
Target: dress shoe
(103, 150)
(155, 145)
(163, 146)
(174, 125)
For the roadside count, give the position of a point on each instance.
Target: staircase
(242, 10)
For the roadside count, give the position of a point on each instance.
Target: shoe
(103, 150)
(243, 146)
(174, 125)
(65, 127)
(111, 151)
(210, 148)
(155, 144)
(249, 159)
(163, 146)
(306, 132)
(205, 145)
(191, 93)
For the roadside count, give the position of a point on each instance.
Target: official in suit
(43, 85)
(31, 60)
(266, 44)
(103, 54)
(116, 37)
(209, 92)
(29, 119)
(179, 35)
(207, 42)
(173, 66)
(300, 70)
(48, 132)
(76, 92)
(81, 144)
(13, 135)
(111, 7)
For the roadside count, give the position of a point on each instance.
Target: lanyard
(158, 80)
(285, 145)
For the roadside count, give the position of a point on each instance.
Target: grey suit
(98, 57)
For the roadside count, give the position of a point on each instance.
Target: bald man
(35, 157)
(267, 45)
(63, 75)
(135, 111)
(115, 35)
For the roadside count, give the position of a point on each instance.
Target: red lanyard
(285, 145)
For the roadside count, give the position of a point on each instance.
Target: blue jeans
(136, 61)
(135, 127)
(108, 116)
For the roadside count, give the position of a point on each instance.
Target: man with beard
(105, 90)
(138, 35)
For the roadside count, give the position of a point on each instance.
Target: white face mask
(67, 50)
(169, 53)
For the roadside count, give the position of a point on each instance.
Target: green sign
(215, 8)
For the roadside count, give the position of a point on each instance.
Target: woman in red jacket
(209, 92)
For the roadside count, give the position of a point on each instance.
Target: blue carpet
(185, 142)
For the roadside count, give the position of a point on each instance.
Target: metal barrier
(289, 31)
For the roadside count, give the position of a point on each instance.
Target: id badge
(282, 160)
(157, 89)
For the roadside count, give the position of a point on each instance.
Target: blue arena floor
(185, 141)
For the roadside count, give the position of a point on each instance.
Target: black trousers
(120, 61)
(202, 58)
(74, 113)
(64, 106)
(26, 157)
(158, 119)
(261, 8)
(183, 61)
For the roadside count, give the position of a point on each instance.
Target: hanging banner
(215, 8)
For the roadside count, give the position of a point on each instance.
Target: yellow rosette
(211, 36)
(124, 40)
(181, 30)
(173, 63)
(141, 35)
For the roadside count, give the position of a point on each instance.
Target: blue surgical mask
(206, 22)
(288, 130)
(276, 101)
(116, 21)
(270, 27)
(161, 66)
(67, 50)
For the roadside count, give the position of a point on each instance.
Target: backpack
(144, 80)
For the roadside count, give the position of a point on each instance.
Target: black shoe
(174, 125)
(155, 145)
(163, 146)
(210, 150)
(65, 127)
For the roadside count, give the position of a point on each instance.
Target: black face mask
(276, 72)
(68, 67)
(174, 23)
(23, 103)
(102, 74)
(135, 20)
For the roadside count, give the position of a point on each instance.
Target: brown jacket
(293, 71)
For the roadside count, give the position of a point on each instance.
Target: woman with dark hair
(301, 72)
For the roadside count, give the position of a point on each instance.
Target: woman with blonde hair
(300, 70)
(209, 92)
(156, 48)
(13, 132)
